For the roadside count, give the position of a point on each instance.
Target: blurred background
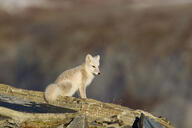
(145, 48)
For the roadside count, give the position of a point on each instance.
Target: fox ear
(98, 57)
(88, 58)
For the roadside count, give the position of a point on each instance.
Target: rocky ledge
(21, 108)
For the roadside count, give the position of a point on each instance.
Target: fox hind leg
(66, 88)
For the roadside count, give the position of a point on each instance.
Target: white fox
(74, 79)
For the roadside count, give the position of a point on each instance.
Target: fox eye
(93, 66)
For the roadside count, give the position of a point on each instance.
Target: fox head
(92, 64)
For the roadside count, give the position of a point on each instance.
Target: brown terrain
(146, 50)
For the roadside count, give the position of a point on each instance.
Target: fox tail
(51, 92)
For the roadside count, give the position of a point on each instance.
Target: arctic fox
(74, 79)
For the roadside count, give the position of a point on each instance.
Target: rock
(79, 122)
(146, 122)
(25, 108)
(24, 105)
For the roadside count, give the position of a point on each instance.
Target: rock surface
(146, 122)
(79, 122)
(81, 113)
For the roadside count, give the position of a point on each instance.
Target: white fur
(74, 79)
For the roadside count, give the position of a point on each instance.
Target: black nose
(99, 73)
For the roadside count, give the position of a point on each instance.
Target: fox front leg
(82, 91)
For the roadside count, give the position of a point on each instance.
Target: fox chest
(89, 80)
(82, 79)
(86, 79)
